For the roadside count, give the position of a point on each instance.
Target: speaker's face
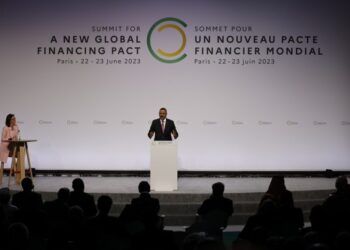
(162, 114)
(13, 121)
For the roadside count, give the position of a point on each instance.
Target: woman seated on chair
(9, 132)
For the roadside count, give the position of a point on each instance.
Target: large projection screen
(251, 85)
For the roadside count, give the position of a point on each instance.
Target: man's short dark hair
(162, 108)
(218, 188)
(144, 187)
(8, 119)
(63, 194)
(78, 185)
(18, 235)
(27, 184)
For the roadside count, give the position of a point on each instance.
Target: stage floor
(185, 184)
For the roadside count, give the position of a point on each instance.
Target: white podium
(163, 166)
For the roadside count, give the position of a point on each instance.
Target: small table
(18, 167)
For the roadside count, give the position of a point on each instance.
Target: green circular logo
(160, 54)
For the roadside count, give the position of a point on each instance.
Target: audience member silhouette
(312, 238)
(142, 223)
(276, 225)
(57, 210)
(75, 227)
(217, 201)
(342, 241)
(102, 229)
(69, 234)
(18, 237)
(317, 221)
(337, 208)
(277, 220)
(27, 200)
(30, 207)
(103, 223)
(263, 224)
(214, 213)
(7, 210)
(291, 218)
(145, 208)
(84, 200)
(278, 192)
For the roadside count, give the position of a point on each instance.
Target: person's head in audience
(218, 189)
(18, 236)
(27, 184)
(312, 238)
(63, 194)
(75, 214)
(144, 187)
(78, 185)
(4, 196)
(341, 184)
(342, 241)
(104, 204)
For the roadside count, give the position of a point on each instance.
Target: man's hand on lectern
(175, 134)
(150, 134)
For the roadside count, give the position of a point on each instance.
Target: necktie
(162, 123)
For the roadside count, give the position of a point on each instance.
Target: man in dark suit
(213, 213)
(217, 201)
(27, 200)
(30, 206)
(163, 128)
(58, 209)
(102, 230)
(84, 200)
(145, 208)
